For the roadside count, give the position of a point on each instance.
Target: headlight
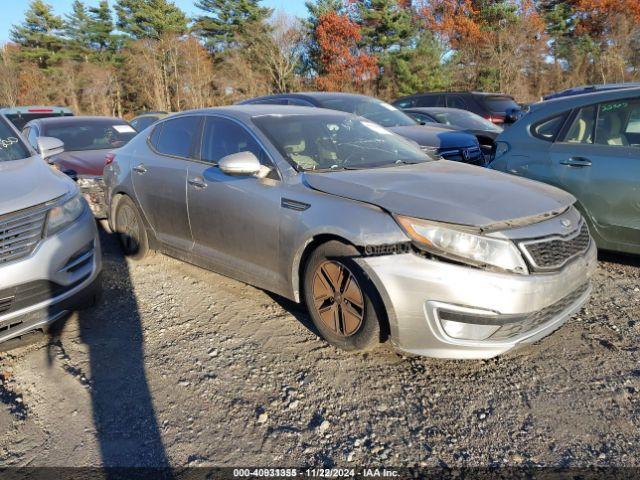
(466, 247)
(65, 214)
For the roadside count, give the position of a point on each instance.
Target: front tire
(130, 229)
(342, 302)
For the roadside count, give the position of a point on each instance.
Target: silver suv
(49, 248)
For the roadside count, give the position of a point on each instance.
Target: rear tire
(342, 302)
(131, 230)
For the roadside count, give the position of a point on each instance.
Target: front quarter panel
(358, 223)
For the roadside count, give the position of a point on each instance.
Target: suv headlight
(463, 246)
(64, 215)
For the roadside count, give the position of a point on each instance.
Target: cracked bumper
(526, 308)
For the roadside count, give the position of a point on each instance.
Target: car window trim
(161, 125)
(243, 126)
(559, 133)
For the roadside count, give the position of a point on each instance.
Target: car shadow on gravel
(298, 310)
(622, 258)
(123, 412)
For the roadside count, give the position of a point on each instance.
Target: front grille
(471, 155)
(20, 232)
(537, 319)
(555, 252)
(32, 293)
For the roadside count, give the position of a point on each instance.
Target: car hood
(449, 192)
(435, 136)
(87, 162)
(29, 182)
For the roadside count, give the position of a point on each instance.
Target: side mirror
(240, 164)
(50, 146)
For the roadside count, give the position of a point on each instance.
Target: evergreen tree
(417, 69)
(100, 29)
(150, 18)
(317, 9)
(226, 22)
(39, 35)
(75, 29)
(386, 25)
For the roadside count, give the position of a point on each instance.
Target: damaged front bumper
(446, 310)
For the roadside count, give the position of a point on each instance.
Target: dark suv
(495, 107)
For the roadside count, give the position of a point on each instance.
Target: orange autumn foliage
(596, 16)
(341, 64)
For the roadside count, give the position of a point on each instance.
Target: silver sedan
(379, 240)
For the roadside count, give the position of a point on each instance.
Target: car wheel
(130, 229)
(343, 303)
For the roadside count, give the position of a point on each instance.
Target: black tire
(330, 272)
(131, 230)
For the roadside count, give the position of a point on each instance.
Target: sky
(15, 13)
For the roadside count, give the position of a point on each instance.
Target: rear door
(160, 179)
(598, 160)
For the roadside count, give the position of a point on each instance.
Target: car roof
(573, 101)
(311, 96)
(76, 120)
(248, 111)
(485, 94)
(35, 109)
(590, 88)
(437, 109)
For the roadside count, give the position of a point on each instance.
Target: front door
(160, 179)
(234, 219)
(598, 161)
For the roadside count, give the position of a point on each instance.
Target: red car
(86, 140)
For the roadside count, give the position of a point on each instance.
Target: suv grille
(20, 232)
(553, 253)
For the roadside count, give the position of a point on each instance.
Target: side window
(548, 129)
(581, 129)
(155, 136)
(222, 137)
(179, 137)
(457, 101)
(430, 101)
(618, 123)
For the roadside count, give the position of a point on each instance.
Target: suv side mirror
(240, 164)
(50, 146)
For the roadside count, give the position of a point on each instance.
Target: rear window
(20, 120)
(500, 103)
(11, 147)
(91, 135)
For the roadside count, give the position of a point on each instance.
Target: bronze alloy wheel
(337, 298)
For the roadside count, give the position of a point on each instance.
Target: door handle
(576, 162)
(140, 169)
(197, 183)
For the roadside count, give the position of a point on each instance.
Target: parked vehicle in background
(498, 108)
(588, 145)
(569, 92)
(451, 145)
(49, 248)
(378, 239)
(20, 116)
(147, 119)
(462, 120)
(87, 140)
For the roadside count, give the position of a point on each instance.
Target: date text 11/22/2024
(315, 473)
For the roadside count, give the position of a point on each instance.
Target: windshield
(11, 147)
(370, 108)
(335, 142)
(465, 120)
(91, 136)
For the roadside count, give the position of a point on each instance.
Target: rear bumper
(61, 275)
(524, 308)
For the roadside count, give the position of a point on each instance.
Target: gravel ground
(182, 366)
